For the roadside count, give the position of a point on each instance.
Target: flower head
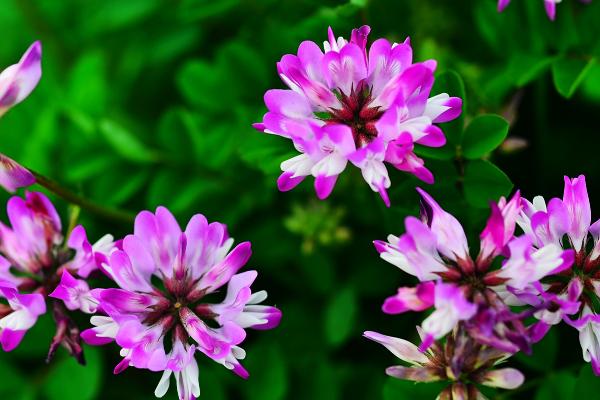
(464, 290)
(349, 104)
(461, 362)
(163, 311)
(37, 268)
(19, 80)
(574, 290)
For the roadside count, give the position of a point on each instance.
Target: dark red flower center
(357, 113)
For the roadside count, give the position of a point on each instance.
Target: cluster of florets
(544, 270)
(344, 104)
(349, 104)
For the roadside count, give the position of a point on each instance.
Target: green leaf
(568, 73)
(175, 134)
(524, 67)
(200, 84)
(558, 385)
(125, 143)
(340, 315)
(484, 182)
(587, 385)
(484, 134)
(70, 381)
(88, 87)
(436, 153)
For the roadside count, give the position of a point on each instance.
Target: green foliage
(148, 102)
(484, 182)
(340, 315)
(569, 73)
(484, 134)
(59, 382)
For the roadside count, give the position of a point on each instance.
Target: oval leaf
(484, 134)
(339, 316)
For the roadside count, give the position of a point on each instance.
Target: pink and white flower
(190, 265)
(36, 268)
(464, 290)
(460, 361)
(567, 223)
(16, 83)
(349, 104)
(19, 80)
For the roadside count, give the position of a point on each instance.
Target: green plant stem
(73, 198)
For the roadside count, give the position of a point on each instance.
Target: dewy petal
(14, 176)
(577, 202)
(19, 80)
(451, 239)
(505, 378)
(403, 349)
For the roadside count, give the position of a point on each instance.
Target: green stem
(73, 198)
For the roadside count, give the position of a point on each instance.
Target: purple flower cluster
(163, 311)
(549, 277)
(349, 104)
(40, 270)
(160, 314)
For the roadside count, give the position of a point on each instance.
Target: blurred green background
(150, 102)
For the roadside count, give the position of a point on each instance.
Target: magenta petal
(287, 181)
(550, 7)
(13, 175)
(502, 4)
(324, 185)
(273, 316)
(90, 337)
(18, 81)
(220, 274)
(10, 339)
(418, 298)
